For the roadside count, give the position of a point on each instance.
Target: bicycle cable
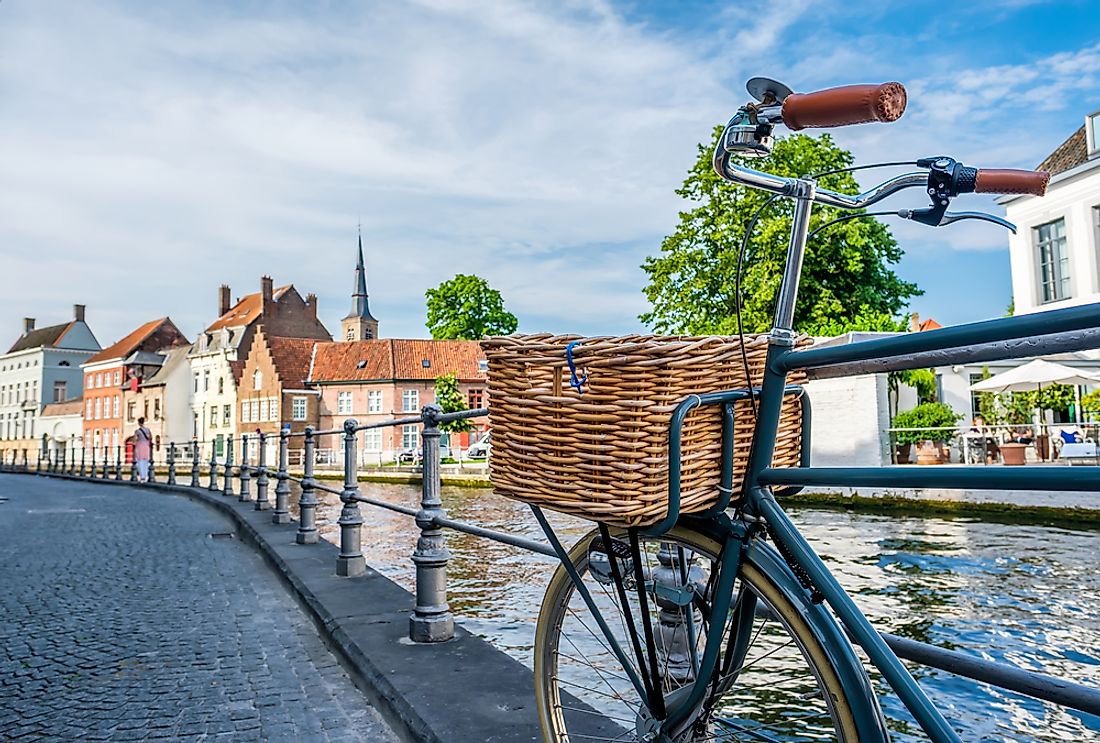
(815, 176)
(737, 297)
(846, 217)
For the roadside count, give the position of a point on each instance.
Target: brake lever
(928, 216)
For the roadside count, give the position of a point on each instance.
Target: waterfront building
(218, 355)
(376, 380)
(108, 374)
(42, 366)
(159, 391)
(62, 430)
(1055, 252)
(273, 394)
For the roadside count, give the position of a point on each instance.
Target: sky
(150, 152)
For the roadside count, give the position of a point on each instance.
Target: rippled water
(1023, 594)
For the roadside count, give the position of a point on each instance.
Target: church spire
(359, 324)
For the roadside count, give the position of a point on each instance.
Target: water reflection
(1021, 594)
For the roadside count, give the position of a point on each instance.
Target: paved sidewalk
(122, 618)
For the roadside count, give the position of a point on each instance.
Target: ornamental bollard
(152, 464)
(106, 462)
(227, 472)
(281, 514)
(195, 483)
(351, 562)
(171, 463)
(307, 501)
(213, 486)
(118, 462)
(245, 475)
(133, 466)
(83, 459)
(26, 464)
(431, 620)
(93, 463)
(262, 503)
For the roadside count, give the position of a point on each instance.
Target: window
(59, 392)
(298, 409)
(156, 409)
(372, 439)
(374, 401)
(343, 403)
(257, 380)
(88, 382)
(60, 363)
(131, 409)
(214, 416)
(1050, 243)
(244, 412)
(482, 365)
(410, 401)
(227, 414)
(254, 411)
(368, 333)
(205, 380)
(274, 409)
(1093, 130)
(98, 380)
(221, 385)
(410, 436)
(114, 407)
(98, 408)
(426, 363)
(351, 334)
(264, 410)
(118, 378)
(88, 412)
(196, 381)
(475, 398)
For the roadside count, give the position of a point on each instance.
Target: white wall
(850, 418)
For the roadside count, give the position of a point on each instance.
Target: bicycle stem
(803, 191)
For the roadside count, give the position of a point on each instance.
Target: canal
(1018, 593)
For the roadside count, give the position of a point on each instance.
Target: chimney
(223, 299)
(311, 305)
(914, 322)
(266, 288)
(78, 312)
(28, 325)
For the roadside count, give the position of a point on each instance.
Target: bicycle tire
(842, 685)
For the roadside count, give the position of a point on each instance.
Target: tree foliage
(450, 399)
(847, 280)
(467, 308)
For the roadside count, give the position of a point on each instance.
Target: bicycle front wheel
(776, 681)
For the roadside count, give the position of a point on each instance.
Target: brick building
(119, 366)
(273, 392)
(159, 392)
(375, 380)
(219, 354)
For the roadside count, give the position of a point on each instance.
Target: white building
(42, 366)
(62, 430)
(1055, 253)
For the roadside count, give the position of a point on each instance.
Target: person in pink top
(143, 450)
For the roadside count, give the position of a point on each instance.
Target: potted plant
(930, 425)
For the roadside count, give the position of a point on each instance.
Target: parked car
(410, 455)
(480, 449)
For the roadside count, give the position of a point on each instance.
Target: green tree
(466, 307)
(847, 282)
(450, 399)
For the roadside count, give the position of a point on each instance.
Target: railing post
(262, 503)
(213, 486)
(133, 464)
(307, 501)
(431, 620)
(245, 476)
(171, 463)
(118, 462)
(93, 463)
(152, 464)
(83, 458)
(195, 483)
(350, 562)
(227, 471)
(106, 462)
(281, 514)
(26, 464)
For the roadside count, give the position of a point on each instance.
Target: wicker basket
(603, 455)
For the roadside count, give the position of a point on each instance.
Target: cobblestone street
(122, 618)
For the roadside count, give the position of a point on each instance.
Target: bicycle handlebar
(850, 104)
(990, 180)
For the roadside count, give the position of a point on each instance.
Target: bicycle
(717, 626)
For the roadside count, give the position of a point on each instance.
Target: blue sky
(152, 151)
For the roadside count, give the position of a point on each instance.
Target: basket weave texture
(603, 454)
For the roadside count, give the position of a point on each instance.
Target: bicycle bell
(749, 132)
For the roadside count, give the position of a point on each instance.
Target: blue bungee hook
(575, 383)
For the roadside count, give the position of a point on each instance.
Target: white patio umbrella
(1033, 375)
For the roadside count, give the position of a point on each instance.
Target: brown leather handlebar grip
(850, 104)
(991, 180)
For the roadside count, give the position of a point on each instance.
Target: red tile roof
(1070, 154)
(291, 357)
(928, 324)
(246, 310)
(396, 358)
(123, 348)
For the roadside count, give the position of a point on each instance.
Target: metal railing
(431, 619)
